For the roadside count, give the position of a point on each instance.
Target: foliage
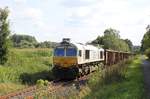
(10, 87)
(42, 83)
(27, 66)
(46, 44)
(129, 44)
(23, 41)
(147, 52)
(109, 74)
(132, 87)
(145, 43)
(27, 41)
(136, 49)
(112, 32)
(4, 34)
(111, 40)
(98, 40)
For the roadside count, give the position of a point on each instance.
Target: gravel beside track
(31, 91)
(61, 86)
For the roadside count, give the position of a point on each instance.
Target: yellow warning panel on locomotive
(65, 61)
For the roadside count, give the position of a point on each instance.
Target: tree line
(27, 41)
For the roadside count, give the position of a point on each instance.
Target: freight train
(71, 60)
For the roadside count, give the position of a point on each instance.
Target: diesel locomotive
(71, 60)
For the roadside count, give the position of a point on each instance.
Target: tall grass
(127, 83)
(97, 85)
(26, 65)
(108, 75)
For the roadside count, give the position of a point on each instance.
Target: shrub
(46, 82)
(147, 52)
(40, 83)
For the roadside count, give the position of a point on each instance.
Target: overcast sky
(81, 20)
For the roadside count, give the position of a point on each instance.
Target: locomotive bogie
(65, 73)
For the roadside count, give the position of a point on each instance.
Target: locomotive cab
(65, 60)
(65, 55)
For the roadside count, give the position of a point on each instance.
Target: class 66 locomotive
(71, 60)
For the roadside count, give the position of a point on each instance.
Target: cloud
(20, 1)
(79, 14)
(99, 15)
(34, 15)
(77, 3)
(55, 19)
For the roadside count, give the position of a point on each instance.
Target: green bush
(147, 52)
(42, 83)
(46, 82)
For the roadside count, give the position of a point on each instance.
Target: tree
(145, 43)
(46, 44)
(4, 35)
(23, 41)
(136, 49)
(112, 32)
(111, 40)
(129, 44)
(98, 40)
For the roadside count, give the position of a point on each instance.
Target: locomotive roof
(85, 46)
(79, 46)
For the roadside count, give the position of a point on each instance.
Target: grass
(131, 87)
(9, 87)
(25, 67)
(121, 81)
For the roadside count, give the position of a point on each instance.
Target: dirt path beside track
(146, 72)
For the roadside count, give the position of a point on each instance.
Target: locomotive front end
(65, 60)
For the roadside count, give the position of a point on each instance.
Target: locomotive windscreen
(71, 52)
(59, 52)
(65, 52)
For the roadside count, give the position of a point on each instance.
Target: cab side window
(87, 54)
(80, 53)
(101, 54)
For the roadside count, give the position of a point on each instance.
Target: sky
(80, 20)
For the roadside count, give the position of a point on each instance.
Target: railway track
(28, 93)
(53, 86)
